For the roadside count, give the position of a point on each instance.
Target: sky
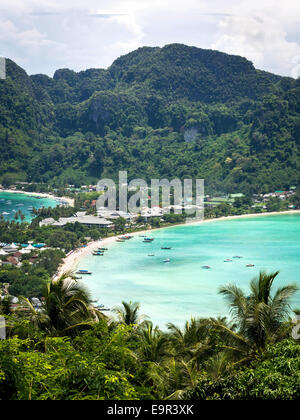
(45, 35)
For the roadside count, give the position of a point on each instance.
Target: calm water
(172, 292)
(10, 203)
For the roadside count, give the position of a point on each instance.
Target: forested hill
(170, 112)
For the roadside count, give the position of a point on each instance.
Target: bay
(175, 291)
(10, 203)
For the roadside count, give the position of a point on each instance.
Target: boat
(206, 267)
(237, 256)
(165, 247)
(102, 249)
(228, 260)
(98, 253)
(167, 260)
(78, 278)
(148, 240)
(83, 272)
(250, 265)
(120, 240)
(151, 255)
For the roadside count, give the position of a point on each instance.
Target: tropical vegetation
(168, 112)
(68, 350)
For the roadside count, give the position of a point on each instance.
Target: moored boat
(148, 240)
(81, 272)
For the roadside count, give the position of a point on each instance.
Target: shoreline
(69, 200)
(73, 259)
(241, 216)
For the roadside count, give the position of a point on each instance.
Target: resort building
(82, 218)
(113, 215)
(10, 249)
(147, 212)
(216, 201)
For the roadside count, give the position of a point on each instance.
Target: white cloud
(260, 39)
(43, 35)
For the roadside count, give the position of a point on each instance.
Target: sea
(10, 203)
(177, 290)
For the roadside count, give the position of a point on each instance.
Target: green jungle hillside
(175, 111)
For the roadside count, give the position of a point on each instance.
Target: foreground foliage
(68, 350)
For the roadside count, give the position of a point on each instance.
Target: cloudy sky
(44, 35)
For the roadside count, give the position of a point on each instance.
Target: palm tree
(260, 317)
(218, 366)
(172, 378)
(153, 343)
(129, 313)
(192, 341)
(66, 307)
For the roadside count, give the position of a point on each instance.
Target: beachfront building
(113, 215)
(216, 201)
(82, 218)
(148, 213)
(47, 222)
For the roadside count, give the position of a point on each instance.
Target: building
(216, 201)
(148, 213)
(113, 215)
(11, 261)
(82, 218)
(10, 249)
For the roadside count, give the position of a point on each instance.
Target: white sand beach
(275, 213)
(68, 200)
(72, 260)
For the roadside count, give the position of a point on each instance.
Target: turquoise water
(175, 291)
(11, 203)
